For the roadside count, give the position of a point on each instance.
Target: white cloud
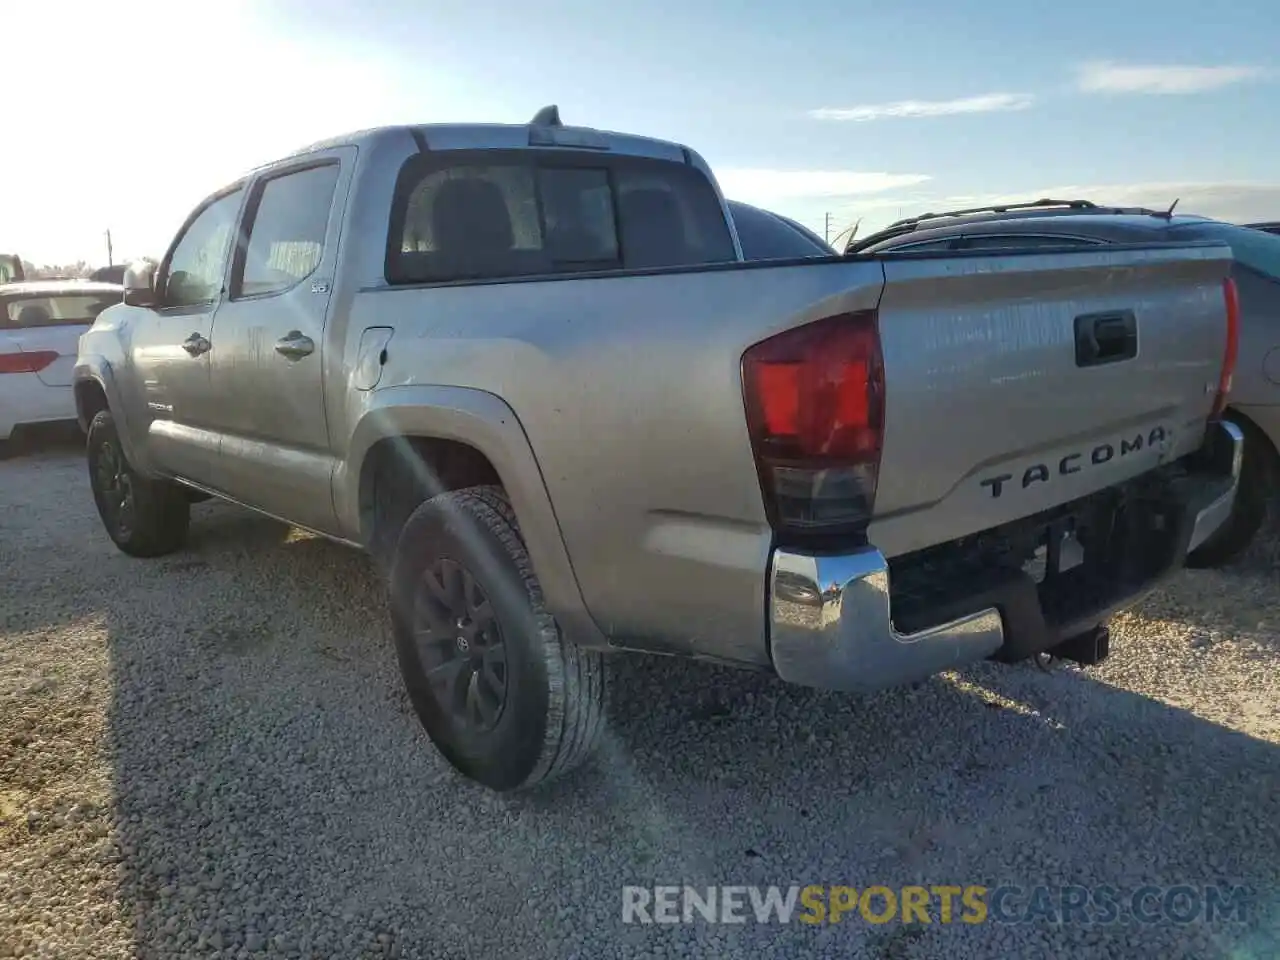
(1233, 201)
(1107, 77)
(985, 103)
(756, 185)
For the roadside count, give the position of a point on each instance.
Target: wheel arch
(95, 389)
(1258, 433)
(462, 437)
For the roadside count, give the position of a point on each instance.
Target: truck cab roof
(544, 130)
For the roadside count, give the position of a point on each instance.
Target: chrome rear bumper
(1230, 454)
(831, 627)
(831, 622)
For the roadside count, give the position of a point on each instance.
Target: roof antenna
(1168, 214)
(548, 116)
(851, 231)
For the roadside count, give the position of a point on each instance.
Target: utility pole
(826, 228)
(110, 262)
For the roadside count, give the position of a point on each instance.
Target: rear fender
(483, 421)
(1265, 418)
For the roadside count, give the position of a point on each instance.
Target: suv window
(1022, 241)
(921, 246)
(195, 270)
(500, 214)
(288, 219)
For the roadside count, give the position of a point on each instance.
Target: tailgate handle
(1106, 338)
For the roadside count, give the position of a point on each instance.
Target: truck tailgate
(1016, 382)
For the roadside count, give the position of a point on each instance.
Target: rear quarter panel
(629, 391)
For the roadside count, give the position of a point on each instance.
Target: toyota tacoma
(529, 369)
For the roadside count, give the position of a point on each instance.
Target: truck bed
(629, 388)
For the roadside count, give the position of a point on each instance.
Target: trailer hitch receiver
(1088, 648)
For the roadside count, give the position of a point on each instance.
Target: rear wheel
(1257, 486)
(505, 697)
(143, 517)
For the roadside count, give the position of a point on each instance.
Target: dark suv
(11, 270)
(112, 274)
(1064, 224)
(766, 235)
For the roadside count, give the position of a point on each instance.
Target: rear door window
(506, 214)
(286, 233)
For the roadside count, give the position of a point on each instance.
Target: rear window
(23, 312)
(499, 214)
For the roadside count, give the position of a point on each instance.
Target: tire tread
(576, 678)
(163, 513)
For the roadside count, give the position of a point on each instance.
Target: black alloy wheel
(115, 483)
(145, 517)
(460, 646)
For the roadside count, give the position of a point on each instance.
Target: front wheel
(506, 698)
(143, 517)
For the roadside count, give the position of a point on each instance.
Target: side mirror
(140, 284)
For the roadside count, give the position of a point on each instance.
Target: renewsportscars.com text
(941, 903)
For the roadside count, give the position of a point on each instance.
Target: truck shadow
(271, 780)
(285, 733)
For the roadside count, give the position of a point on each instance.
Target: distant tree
(78, 270)
(50, 271)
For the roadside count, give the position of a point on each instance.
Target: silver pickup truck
(528, 368)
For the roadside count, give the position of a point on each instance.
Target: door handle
(294, 345)
(1106, 338)
(196, 345)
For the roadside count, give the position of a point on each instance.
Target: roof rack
(909, 224)
(998, 208)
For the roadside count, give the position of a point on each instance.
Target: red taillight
(815, 410)
(1232, 297)
(32, 362)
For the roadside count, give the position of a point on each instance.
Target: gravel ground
(210, 755)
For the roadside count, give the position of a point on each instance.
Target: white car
(40, 326)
